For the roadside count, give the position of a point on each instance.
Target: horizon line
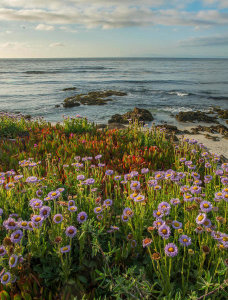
(117, 57)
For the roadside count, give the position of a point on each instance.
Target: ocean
(164, 86)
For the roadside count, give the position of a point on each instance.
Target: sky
(113, 28)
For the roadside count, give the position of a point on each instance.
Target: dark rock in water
(215, 129)
(192, 116)
(223, 113)
(57, 105)
(169, 128)
(226, 121)
(27, 117)
(138, 114)
(213, 138)
(92, 98)
(195, 130)
(69, 89)
(101, 126)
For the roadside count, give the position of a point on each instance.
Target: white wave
(180, 94)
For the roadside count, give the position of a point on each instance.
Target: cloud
(44, 27)
(14, 45)
(206, 41)
(58, 44)
(218, 3)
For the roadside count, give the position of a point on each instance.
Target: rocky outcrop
(192, 116)
(138, 114)
(92, 98)
(69, 89)
(215, 129)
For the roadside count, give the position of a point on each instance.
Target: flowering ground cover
(112, 214)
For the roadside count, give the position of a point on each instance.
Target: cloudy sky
(113, 28)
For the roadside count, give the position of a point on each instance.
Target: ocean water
(163, 86)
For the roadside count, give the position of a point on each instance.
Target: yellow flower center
(64, 248)
(158, 213)
(171, 249)
(82, 218)
(54, 194)
(164, 231)
(12, 260)
(24, 223)
(17, 236)
(176, 224)
(71, 231)
(135, 184)
(219, 194)
(185, 240)
(1, 251)
(37, 219)
(5, 277)
(200, 218)
(206, 205)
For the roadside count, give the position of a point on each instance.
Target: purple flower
(82, 217)
(164, 207)
(207, 223)
(188, 198)
(80, 177)
(54, 194)
(185, 240)
(157, 187)
(39, 193)
(134, 174)
(144, 171)
(71, 231)
(10, 224)
(99, 217)
(98, 210)
(197, 182)
(125, 218)
(206, 206)
(128, 212)
(183, 159)
(23, 224)
(139, 198)
(72, 208)
(175, 201)
(195, 189)
(36, 203)
(71, 203)
(48, 198)
(207, 165)
(89, 181)
(108, 202)
(133, 243)
(98, 156)
(16, 236)
(5, 278)
(117, 178)
(2, 251)
(109, 172)
(101, 165)
(135, 185)
(224, 180)
(158, 214)
(218, 195)
(200, 219)
(157, 223)
(65, 249)
(188, 163)
(37, 219)
(171, 250)
(57, 218)
(31, 179)
(60, 190)
(164, 231)
(152, 183)
(207, 178)
(13, 261)
(176, 224)
(45, 211)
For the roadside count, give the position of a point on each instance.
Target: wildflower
(114, 228)
(133, 243)
(164, 207)
(57, 218)
(23, 224)
(36, 203)
(117, 178)
(157, 187)
(158, 223)
(176, 224)
(89, 181)
(152, 183)
(147, 242)
(80, 177)
(10, 224)
(9, 185)
(65, 249)
(2, 250)
(71, 231)
(71, 203)
(156, 256)
(195, 189)
(60, 190)
(207, 178)
(128, 212)
(135, 185)
(164, 231)
(188, 198)
(200, 219)
(205, 249)
(48, 198)
(175, 201)
(109, 172)
(98, 156)
(206, 206)
(158, 214)
(39, 193)
(129, 236)
(13, 261)
(108, 202)
(5, 278)
(82, 217)
(99, 217)
(54, 194)
(31, 179)
(45, 211)
(218, 195)
(185, 240)
(207, 223)
(199, 229)
(98, 210)
(171, 250)
(16, 236)
(144, 170)
(139, 198)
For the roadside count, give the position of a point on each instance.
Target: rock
(101, 126)
(169, 128)
(92, 98)
(194, 130)
(192, 116)
(57, 105)
(69, 89)
(27, 117)
(138, 114)
(214, 138)
(223, 113)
